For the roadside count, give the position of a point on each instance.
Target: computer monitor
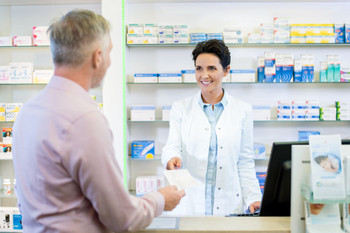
(277, 189)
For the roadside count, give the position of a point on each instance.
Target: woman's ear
(227, 70)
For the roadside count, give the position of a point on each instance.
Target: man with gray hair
(68, 179)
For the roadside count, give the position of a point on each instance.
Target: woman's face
(209, 73)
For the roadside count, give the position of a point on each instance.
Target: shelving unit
(247, 15)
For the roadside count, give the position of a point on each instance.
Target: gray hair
(73, 35)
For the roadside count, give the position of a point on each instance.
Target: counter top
(228, 224)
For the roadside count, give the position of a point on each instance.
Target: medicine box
(146, 184)
(165, 30)
(150, 29)
(142, 113)
(284, 114)
(328, 114)
(166, 39)
(42, 76)
(298, 114)
(20, 72)
(166, 113)
(134, 39)
(303, 136)
(5, 41)
(135, 29)
(142, 149)
(150, 39)
(180, 29)
(169, 78)
(11, 220)
(22, 40)
(11, 116)
(243, 76)
(40, 36)
(188, 76)
(4, 74)
(261, 113)
(145, 78)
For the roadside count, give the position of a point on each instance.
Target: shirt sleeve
(90, 160)
(246, 165)
(173, 146)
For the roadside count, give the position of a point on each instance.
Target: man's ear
(97, 58)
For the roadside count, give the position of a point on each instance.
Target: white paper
(181, 178)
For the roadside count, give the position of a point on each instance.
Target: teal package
(142, 149)
(323, 75)
(330, 73)
(17, 222)
(336, 73)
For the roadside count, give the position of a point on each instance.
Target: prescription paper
(181, 178)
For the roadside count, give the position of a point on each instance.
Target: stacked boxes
(323, 71)
(197, 37)
(345, 74)
(154, 34)
(312, 110)
(281, 33)
(216, 36)
(40, 36)
(266, 33)
(339, 30)
(333, 68)
(11, 110)
(11, 220)
(270, 68)
(2, 112)
(233, 35)
(146, 184)
(328, 114)
(343, 110)
(307, 67)
(312, 33)
(298, 110)
(284, 110)
(6, 140)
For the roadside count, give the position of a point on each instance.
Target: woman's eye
(198, 68)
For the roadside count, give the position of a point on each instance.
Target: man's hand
(254, 206)
(174, 163)
(171, 196)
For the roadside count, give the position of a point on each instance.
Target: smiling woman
(211, 135)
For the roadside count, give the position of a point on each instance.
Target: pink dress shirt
(67, 177)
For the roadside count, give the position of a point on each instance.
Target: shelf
(268, 121)
(248, 45)
(46, 2)
(252, 83)
(27, 84)
(156, 158)
(26, 46)
(7, 122)
(307, 193)
(8, 196)
(201, 1)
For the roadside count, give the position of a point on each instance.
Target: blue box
(339, 30)
(142, 149)
(17, 222)
(303, 136)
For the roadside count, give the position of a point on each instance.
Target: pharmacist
(211, 135)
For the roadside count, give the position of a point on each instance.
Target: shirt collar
(70, 87)
(223, 101)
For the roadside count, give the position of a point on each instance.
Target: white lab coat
(189, 138)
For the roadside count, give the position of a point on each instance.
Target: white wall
(213, 17)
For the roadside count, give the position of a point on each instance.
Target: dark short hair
(216, 47)
(320, 158)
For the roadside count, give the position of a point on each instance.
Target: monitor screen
(277, 189)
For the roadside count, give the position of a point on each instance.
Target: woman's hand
(174, 163)
(254, 206)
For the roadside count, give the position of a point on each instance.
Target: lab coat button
(220, 167)
(219, 188)
(221, 147)
(206, 129)
(237, 194)
(217, 208)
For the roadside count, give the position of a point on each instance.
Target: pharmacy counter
(219, 224)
